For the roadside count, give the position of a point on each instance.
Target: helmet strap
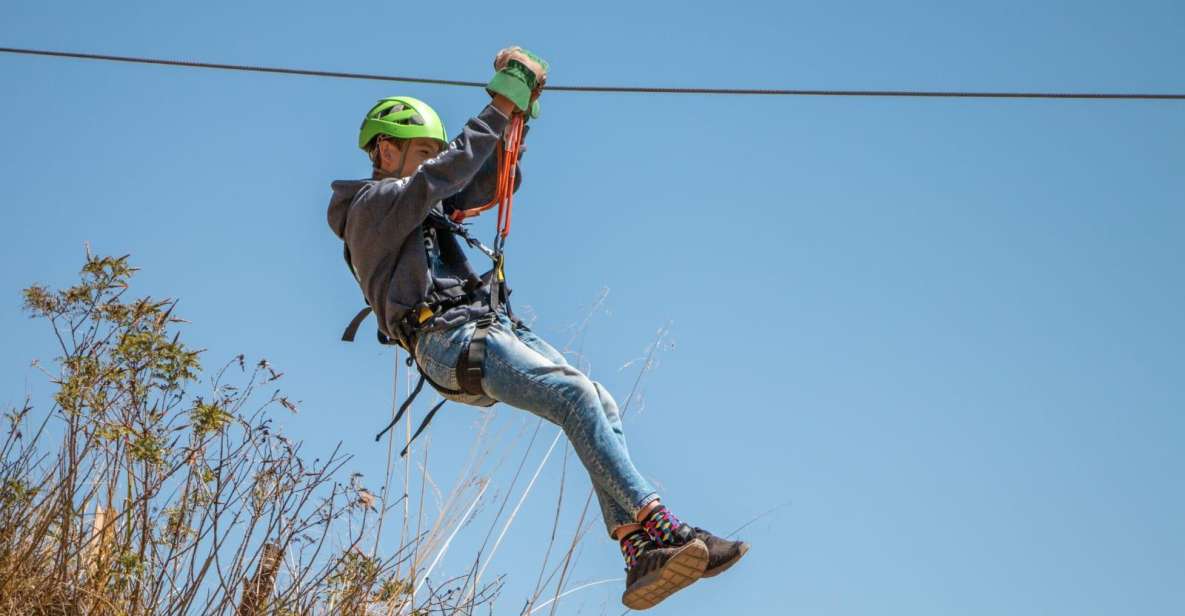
(403, 157)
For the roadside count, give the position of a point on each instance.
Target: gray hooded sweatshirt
(381, 222)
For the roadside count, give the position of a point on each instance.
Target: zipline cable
(619, 89)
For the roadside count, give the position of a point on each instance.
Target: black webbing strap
(423, 424)
(402, 408)
(352, 328)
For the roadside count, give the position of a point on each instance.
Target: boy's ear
(390, 146)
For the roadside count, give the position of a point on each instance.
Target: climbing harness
(439, 233)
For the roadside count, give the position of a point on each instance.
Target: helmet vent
(415, 119)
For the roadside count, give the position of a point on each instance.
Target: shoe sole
(724, 567)
(682, 570)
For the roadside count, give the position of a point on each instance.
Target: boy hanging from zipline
(403, 243)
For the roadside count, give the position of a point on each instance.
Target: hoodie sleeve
(398, 206)
(480, 190)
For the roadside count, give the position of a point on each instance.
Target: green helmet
(402, 117)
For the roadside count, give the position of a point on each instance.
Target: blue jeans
(522, 370)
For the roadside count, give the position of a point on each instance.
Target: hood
(339, 203)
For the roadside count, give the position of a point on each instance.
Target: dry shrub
(133, 495)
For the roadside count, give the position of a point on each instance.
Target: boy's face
(419, 150)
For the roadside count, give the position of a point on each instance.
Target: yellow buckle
(425, 313)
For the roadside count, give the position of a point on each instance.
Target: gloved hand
(520, 78)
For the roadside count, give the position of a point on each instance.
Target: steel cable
(605, 89)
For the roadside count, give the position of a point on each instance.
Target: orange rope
(511, 170)
(512, 143)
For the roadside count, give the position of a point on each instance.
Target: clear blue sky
(948, 333)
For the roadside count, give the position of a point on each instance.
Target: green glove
(521, 75)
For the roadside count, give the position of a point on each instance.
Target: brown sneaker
(665, 530)
(654, 573)
(722, 553)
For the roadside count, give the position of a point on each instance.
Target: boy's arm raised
(398, 206)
